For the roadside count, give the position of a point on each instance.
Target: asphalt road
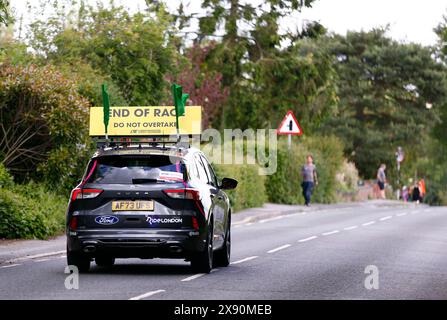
(318, 254)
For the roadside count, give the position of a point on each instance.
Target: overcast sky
(409, 20)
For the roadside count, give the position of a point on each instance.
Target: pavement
(278, 252)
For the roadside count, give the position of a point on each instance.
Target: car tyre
(105, 261)
(222, 256)
(79, 260)
(203, 261)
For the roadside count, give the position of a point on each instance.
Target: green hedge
(29, 211)
(285, 185)
(6, 180)
(250, 192)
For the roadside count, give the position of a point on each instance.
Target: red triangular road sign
(290, 125)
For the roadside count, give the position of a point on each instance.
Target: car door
(219, 204)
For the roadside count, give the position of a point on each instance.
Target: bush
(49, 118)
(347, 178)
(30, 211)
(250, 191)
(6, 180)
(285, 185)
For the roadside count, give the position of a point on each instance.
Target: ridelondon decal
(157, 220)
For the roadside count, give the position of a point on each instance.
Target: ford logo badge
(106, 220)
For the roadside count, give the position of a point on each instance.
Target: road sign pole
(289, 141)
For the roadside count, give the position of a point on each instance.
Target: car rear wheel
(105, 261)
(222, 256)
(79, 260)
(203, 261)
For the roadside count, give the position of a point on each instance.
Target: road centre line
(147, 294)
(350, 228)
(330, 232)
(368, 223)
(279, 248)
(244, 260)
(385, 218)
(307, 239)
(43, 260)
(193, 277)
(401, 214)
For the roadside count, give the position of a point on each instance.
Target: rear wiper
(144, 180)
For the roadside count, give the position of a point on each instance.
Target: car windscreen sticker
(170, 175)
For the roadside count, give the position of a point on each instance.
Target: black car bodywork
(148, 202)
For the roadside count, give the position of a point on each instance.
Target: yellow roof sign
(145, 121)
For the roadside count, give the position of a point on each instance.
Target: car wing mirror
(228, 184)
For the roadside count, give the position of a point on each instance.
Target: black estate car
(149, 201)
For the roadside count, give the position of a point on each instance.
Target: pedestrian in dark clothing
(309, 174)
(416, 194)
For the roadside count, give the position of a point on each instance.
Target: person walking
(381, 180)
(422, 189)
(416, 194)
(309, 174)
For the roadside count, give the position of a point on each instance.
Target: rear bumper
(137, 243)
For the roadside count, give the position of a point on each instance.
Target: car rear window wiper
(144, 180)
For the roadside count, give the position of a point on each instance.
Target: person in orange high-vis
(422, 187)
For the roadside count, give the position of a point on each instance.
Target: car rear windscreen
(135, 170)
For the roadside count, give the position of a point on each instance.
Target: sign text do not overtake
(145, 121)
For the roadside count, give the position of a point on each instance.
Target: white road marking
(368, 223)
(40, 255)
(248, 224)
(147, 294)
(385, 218)
(307, 239)
(415, 212)
(42, 260)
(350, 228)
(401, 214)
(193, 277)
(62, 257)
(245, 259)
(279, 248)
(238, 226)
(330, 232)
(270, 219)
(10, 266)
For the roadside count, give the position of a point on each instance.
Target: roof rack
(184, 141)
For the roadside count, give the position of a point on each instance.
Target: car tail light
(195, 223)
(73, 223)
(191, 194)
(78, 193)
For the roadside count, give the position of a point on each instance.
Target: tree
(5, 15)
(132, 49)
(383, 87)
(203, 86)
(440, 131)
(267, 71)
